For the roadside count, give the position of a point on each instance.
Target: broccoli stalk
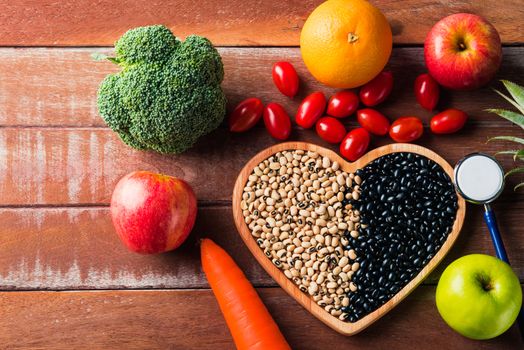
(168, 92)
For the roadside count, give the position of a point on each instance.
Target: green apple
(479, 296)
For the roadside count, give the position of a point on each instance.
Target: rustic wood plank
(52, 166)
(57, 87)
(192, 320)
(76, 248)
(233, 23)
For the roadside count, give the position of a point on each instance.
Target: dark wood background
(65, 279)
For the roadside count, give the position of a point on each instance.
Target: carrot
(249, 321)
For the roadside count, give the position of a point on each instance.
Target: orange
(345, 43)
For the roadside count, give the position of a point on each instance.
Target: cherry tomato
(330, 129)
(277, 121)
(285, 78)
(373, 121)
(377, 90)
(342, 104)
(311, 108)
(355, 144)
(406, 129)
(427, 91)
(245, 115)
(449, 121)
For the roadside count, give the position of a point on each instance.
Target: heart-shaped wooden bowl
(304, 299)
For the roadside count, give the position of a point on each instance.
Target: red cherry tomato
(330, 129)
(377, 90)
(355, 144)
(285, 78)
(245, 115)
(427, 91)
(277, 121)
(342, 104)
(449, 121)
(406, 129)
(373, 121)
(311, 108)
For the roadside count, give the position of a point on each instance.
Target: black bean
(410, 204)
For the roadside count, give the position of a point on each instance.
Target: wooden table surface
(67, 282)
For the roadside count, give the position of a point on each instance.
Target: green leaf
(509, 115)
(517, 92)
(518, 186)
(507, 138)
(513, 152)
(510, 100)
(97, 56)
(515, 171)
(519, 155)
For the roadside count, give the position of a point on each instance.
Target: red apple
(153, 213)
(463, 51)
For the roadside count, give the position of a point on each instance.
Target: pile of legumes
(293, 205)
(350, 241)
(408, 204)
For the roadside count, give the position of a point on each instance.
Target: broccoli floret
(168, 93)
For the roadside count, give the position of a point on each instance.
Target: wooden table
(66, 280)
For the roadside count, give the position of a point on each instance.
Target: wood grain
(57, 87)
(173, 320)
(232, 23)
(76, 248)
(80, 166)
(287, 284)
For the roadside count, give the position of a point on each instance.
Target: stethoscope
(479, 179)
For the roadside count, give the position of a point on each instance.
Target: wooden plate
(303, 298)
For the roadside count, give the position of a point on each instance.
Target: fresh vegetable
(311, 108)
(168, 93)
(517, 100)
(247, 318)
(342, 104)
(285, 78)
(427, 91)
(355, 144)
(406, 129)
(345, 43)
(330, 129)
(246, 115)
(277, 121)
(373, 121)
(377, 90)
(449, 121)
(152, 213)
(479, 296)
(463, 51)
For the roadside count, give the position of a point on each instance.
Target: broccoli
(168, 92)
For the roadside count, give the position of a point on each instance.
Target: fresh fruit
(152, 213)
(479, 296)
(345, 43)
(247, 318)
(373, 121)
(285, 78)
(406, 129)
(427, 91)
(449, 121)
(330, 129)
(463, 51)
(377, 90)
(277, 121)
(246, 115)
(311, 108)
(342, 104)
(355, 144)
(516, 99)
